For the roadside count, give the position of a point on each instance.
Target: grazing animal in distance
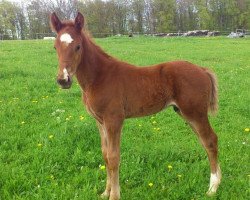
(113, 90)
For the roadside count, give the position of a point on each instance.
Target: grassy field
(50, 146)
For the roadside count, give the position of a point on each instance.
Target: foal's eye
(78, 47)
(54, 47)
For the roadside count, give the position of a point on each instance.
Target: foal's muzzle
(65, 83)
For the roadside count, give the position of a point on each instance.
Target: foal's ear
(79, 22)
(55, 23)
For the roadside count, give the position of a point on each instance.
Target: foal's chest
(90, 108)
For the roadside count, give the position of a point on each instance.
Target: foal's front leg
(113, 128)
(103, 135)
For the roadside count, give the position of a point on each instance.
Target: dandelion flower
(170, 167)
(154, 122)
(39, 145)
(140, 125)
(81, 117)
(67, 119)
(247, 129)
(102, 167)
(51, 136)
(150, 184)
(52, 177)
(34, 101)
(23, 122)
(179, 176)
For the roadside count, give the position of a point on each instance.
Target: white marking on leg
(66, 38)
(215, 179)
(65, 74)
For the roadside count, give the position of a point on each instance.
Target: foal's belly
(145, 108)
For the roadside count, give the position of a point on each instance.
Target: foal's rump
(193, 87)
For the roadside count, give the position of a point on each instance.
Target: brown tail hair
(213, 102)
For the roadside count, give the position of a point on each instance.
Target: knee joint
(113, 160)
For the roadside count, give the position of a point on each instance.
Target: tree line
(27, 20)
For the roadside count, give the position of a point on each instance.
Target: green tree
(165, 15)
(8, 19)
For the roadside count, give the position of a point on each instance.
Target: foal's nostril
(61, 81)
(65, 83)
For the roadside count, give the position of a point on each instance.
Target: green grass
(32, 107)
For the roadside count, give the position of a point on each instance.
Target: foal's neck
(95, 62)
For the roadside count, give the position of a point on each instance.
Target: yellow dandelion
(150, 184)
(51, 136)
(81, 117)
(154, 122)
(70, 116)
(170, 167)
(60, 102)
(23, 122)
(247, 129)
(155, 128)
(34, 101)
(102, 167)
(140, 125)
(39, 145)
(67, 119)
(179, 176)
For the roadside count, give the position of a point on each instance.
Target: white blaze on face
(65, 74)
(66, 38)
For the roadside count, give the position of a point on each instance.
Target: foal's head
(68, 45)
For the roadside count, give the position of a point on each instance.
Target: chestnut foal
(113, 90)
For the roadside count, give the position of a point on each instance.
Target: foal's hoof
(114, 195)
(105, 195)
(211, 193)
(212, 190)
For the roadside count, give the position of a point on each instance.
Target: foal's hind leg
(210, 142)
(208, 138)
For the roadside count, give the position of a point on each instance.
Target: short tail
(213, 102)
